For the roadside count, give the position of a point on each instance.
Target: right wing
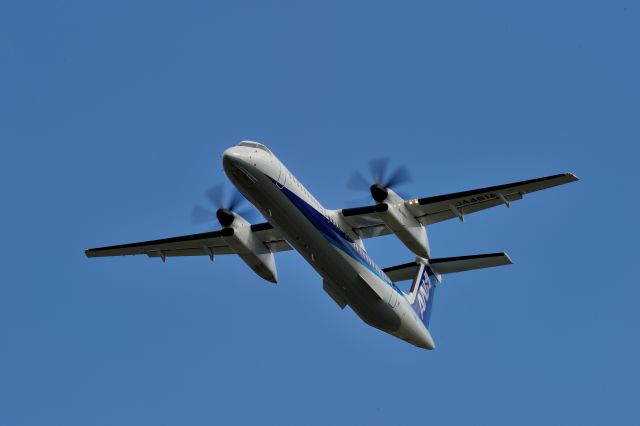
(204, 244)
(366, 222)
(442, 207)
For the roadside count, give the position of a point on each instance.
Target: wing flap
(204, 251)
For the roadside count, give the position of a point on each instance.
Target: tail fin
(422, 292)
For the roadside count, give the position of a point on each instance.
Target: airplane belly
(325, 258)
(305, 238)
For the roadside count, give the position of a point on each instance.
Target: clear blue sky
(113, 116)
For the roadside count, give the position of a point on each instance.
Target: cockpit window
(257, 145)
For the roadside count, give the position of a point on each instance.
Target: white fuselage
(326, 242)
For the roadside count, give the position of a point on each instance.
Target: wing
(205, 244)
(365, 221)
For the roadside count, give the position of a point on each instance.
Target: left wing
(204, 244)
(366, 222)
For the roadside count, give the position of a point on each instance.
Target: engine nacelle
(251, 250)
(394, 213)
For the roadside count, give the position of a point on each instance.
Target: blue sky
(113, 116)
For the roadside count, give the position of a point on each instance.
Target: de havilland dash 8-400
(331, 241)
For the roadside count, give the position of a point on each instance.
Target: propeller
(225, 207)
(382, 179)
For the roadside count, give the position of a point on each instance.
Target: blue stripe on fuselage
(335, 235)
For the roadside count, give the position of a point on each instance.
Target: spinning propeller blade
(225, 210)
(381, 179)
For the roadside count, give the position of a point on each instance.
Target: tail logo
(424, 289)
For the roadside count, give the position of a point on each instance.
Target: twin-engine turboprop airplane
(331, 240)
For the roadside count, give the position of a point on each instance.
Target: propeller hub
(379, 192)
(225, 216)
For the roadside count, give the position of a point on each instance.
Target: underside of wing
(366, 221)
(204, 244)
(442, 207)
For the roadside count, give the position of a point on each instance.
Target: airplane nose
(232, 158)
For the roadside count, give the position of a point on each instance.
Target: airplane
(331, 241)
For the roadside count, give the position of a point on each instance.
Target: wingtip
(572, 175)
(509, 261)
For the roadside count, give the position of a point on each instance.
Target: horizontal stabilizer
(448, 265)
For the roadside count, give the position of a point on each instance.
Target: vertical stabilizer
(422, 291)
